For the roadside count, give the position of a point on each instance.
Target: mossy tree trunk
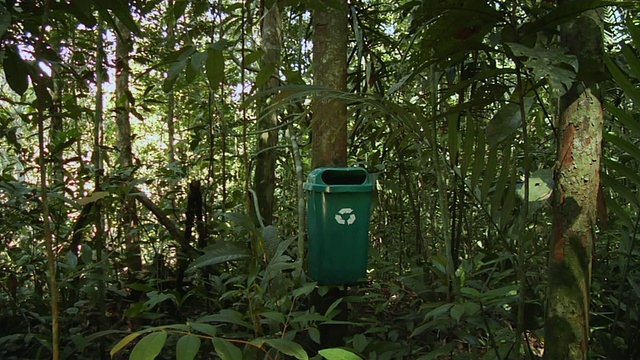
(125, 150)
(575, 195)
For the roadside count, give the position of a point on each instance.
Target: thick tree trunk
(575, 197)
(124, 146)
(329, 123)
(265, 176)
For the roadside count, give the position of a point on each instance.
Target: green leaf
(16, 71)
(305, 289)
(219, 253)
(252, 57)
(338, 354)
(226, 350)
(149, 346)
(227, 316)
(623, 144)
(314, 334)
(630, 90)
(457, 311)
(178, 8)
(506, 121)
(206, 329)
(360, 342)
(541, 185)
(625, 118)
(187, 347)
(5, 20)
(265, 74)
(124, 342)
(172, 75)
(438, 311)
(288, 347)
(155, 298)
(215, 64)
(622, 190)
(196, 63)
(276, 316)
(471, 308)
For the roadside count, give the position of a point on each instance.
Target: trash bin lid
(336, 180)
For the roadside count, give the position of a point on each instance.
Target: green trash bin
(338, 210)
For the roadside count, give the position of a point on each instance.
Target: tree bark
(124, 146)
(575, 196)
(264, 175)
(329, 122)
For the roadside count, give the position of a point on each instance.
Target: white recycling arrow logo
(345, 211)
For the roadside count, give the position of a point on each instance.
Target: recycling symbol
(345, 211)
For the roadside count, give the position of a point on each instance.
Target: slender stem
(41, 94)
(301, 205)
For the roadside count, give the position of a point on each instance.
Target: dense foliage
(167, 256)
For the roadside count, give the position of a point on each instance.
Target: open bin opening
(340, 177)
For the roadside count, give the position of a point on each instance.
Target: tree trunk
(329, 123)
(124, 147)
(171, 98)
(329, 129)
(264, 176)
(575, 196)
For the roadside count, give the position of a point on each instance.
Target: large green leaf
(288, 347)
(541, 185)
(16, 71)
(219, 253)
(338, 354)
(506, 121)
(548, 64)
(226, 350)
(187, 347)
(215, 64)
(149, 346)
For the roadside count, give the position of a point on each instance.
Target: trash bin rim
(337, 188)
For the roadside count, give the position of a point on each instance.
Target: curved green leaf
(149, 346)
(288, 347)
(187, 347)
(338, 354)
(124, 342)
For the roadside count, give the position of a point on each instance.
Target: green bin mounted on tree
(338, 209)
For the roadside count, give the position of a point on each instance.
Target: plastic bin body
(338, 211)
